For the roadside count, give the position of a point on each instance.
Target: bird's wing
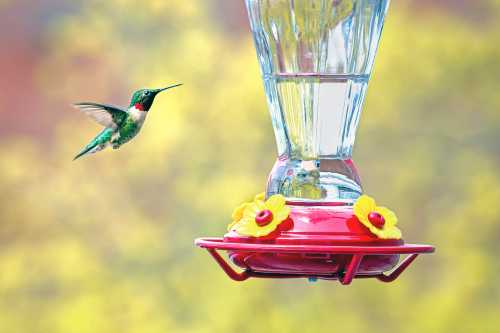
(106, 115)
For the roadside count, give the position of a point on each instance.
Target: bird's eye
(146, 93)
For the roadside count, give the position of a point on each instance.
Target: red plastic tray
(355, 253)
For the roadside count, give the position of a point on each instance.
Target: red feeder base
(324, 243)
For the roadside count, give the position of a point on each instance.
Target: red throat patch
(139, 106)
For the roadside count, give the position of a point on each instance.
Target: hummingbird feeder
(314, 221)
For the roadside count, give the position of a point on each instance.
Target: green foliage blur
(105, 244)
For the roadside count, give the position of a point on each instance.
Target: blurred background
(105, 244)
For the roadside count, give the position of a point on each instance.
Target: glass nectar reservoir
(316, 57)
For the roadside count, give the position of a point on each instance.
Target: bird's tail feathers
(84, 151)
(97, 144)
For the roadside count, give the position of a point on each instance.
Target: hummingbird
(121, 125)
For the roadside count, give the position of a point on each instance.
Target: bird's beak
(169, 87)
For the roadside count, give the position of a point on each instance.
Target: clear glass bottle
(316, 57)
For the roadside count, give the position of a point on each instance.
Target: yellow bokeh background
(105, 244)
